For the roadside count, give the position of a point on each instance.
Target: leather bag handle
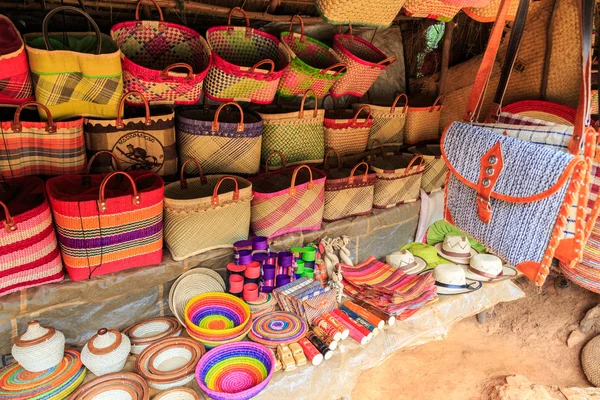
(216, 125)
(342, 68)
(325, 160)
(17, 126)
(295, 175)
(388, 61)
(165, 72)
(183, 182)
(138, 21)
(46, 23)
(299, 18)
(316, 111)
(263, 62)
(230, 27)
(365, 175)
(136, 199)
(93, 158)
(9, 222)
(395, 103)
(412, 162)
(147, 122)
(274, 152)
(372, 150)
(215, 197)
(365, 107)
(438, 102)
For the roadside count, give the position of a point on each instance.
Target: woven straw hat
(39, 348)
(589, 361)
(450, 279)
(191, 284)
(456, 249)
(106, 352)
(406, 261)
(488, 268)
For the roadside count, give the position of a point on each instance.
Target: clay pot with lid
(39, 348)
(106, 352)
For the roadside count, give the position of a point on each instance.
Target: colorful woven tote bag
(398, 178)
(29, 253)
(346, 131)
(388, 122)
(30, 147)
(152, 50)
(512, 195)
(247, 64)
(434, 170)
(313, 65)
(348, 192)
(376, 13)
(223, 142)
(433, 9)
(108, 223)
(298, 135)
(288, 200)
(141, 138)
(423, 123)
(15, 80)
(75, 73)
(364, 61)
(206, 213)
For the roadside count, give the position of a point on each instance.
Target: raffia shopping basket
(365, 63)
(398, 178)
(347, 194)
(346, 131)
(15, 79)
(239, 55)
(313, 65)
(296, 134)
(434, 9)
(489, 12)
(434, 170)
(423, 123)
(388, 122)
(377, 13)
(288, 200)
(206, 213)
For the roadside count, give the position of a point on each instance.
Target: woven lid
(106, 341)
(169, 360)
(120, 385)
(589, 361)
(34, 335)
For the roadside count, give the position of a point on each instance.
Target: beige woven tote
(375, 13)
(346, 193)
(423, 123)
(388, 122)
(205, 213)
(434, 170)
(345, 132)
(296, 134)
(398, 179)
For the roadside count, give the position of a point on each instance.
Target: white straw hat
(456, 249)
(406, 261)
(450, 279)
(488, 268)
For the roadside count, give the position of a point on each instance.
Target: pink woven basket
(365, 63)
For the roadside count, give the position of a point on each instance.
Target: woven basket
(237, 55)
(287, 200)
(189, 285)
(423, 123)
(365, 63)
(15, 79)
(143, 334)
(489, 12)
(543, 110)
(434, 170)
(152, 50)
(467, 3)
(222, 142)
(313, 65)
(398, 179)
(377, 13)
(347, 195)
(237, 371)
(298, 135)
(206, 213)
(39, 348)
(106, 352)
(589, 361)
(177, 394)
(434, 9)
(117, 386)
(30, 254)
(388, 122)
(345, 132)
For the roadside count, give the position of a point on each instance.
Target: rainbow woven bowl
(217, 318)
(236, 371)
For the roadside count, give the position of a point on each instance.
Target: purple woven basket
(235, 371)
(222, 140)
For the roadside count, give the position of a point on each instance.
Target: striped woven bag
(347, 194)
(388, 122)
(287, 200)
(15, 79)
(239, 55)
(29, 253)
(223, 142)
(435, 170)
(108, 223)
(75, 73)
(398, 178)
(31, 147)
(313, 65)
(297, 134)
(345, 132)
(206, 213)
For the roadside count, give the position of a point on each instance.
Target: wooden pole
(446, 47)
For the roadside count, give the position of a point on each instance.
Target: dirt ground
(525, 337)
